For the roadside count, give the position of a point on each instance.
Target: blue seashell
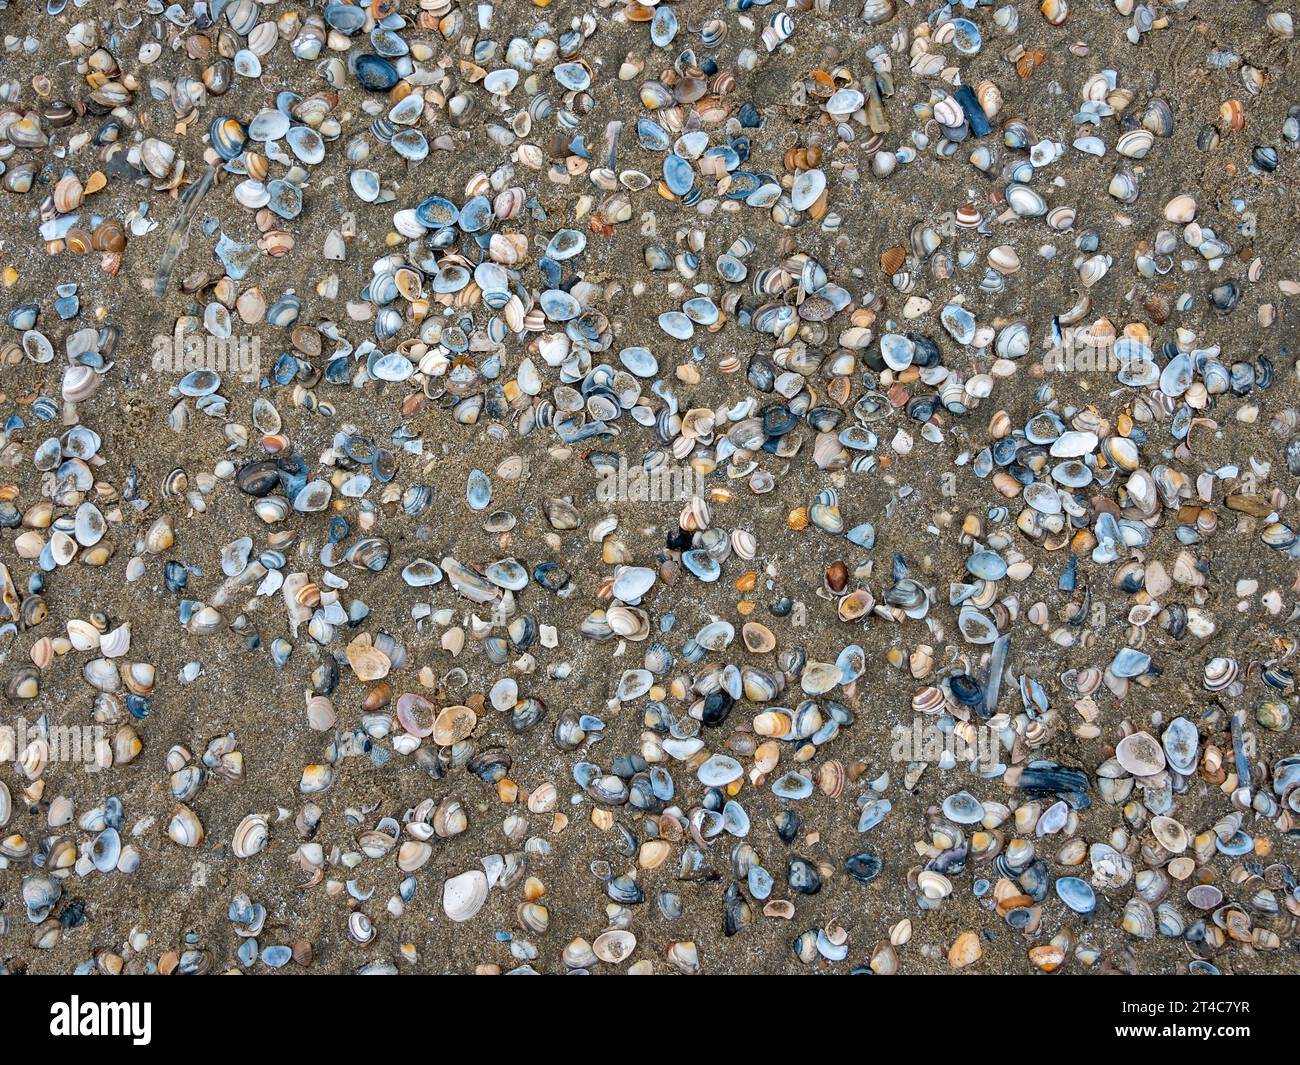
(450, 278)
(286, 198)
(734, 819)
(284, 310)
(967, 38)
(105, 850)
(959, 322)
(573, 76)
(873, 813)
(720, 770)
(410, 144)
(852, 663)
(702, 565)
(247, 952)
(670, 905)
(376, 73)
(23, 317)
(792, 785)
(803, 877)
(277, 957)
(863, 535)
(963, 808)
(980, 126)
(640, 361)
(346, 18)
(966, 689)
(1239, 844)
(478, 490)
(661, 784)
(1130, 663)
(986, 565)
(437, 213)
(199, 383)
(237, 258)
(652, 136)
(1176, 377)
(679, 175)
(565, 244)
(663, 27)
(863, 867)
(701, 310)
(676, 325)
(387, 43)
(476, 215)
(1076, 894)
(558, 305)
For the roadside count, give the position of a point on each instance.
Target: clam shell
(464, 895)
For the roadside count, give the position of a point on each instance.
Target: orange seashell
(823, 84)
(1029, 61)
(1233, 114)
(892, 259)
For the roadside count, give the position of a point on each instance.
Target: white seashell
(948, 113)
(1181, 209)
(83, 635)
(185, 828)
(464, 895)
(743, 543)
(614, 945)
(250, 836)
(115, 643)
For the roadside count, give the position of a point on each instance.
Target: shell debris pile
(649, 487)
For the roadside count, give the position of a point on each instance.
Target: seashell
(251, 836)
(464, 895)
(614, 946)
(1140, 754)
(184, 828)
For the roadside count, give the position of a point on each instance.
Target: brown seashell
(108, 236)
(892, 259)
(68, 193)
(78, 240)
(830, 778)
